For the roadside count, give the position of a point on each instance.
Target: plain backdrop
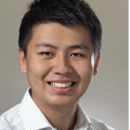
(107, 97)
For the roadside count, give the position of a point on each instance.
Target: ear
(22, 61)
(96, 63)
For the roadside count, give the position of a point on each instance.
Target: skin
(68, 57)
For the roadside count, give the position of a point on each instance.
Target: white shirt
(27, 116)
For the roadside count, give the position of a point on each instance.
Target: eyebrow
(79, 46)
(44, 44)
(76, 46)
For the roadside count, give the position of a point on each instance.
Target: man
(59, 50)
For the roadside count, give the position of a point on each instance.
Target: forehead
(60, 35)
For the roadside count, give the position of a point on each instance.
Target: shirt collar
(31, 115)
(33, 118)
(83, 120)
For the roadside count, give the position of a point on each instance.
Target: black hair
(65, 12)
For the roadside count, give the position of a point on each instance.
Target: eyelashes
(77, 55)
(51, 54)
(46, 53)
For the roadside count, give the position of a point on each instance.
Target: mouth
(61, 85)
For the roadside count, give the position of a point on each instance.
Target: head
(59, 47)
(65, 12)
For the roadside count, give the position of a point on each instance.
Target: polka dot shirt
(27, 116)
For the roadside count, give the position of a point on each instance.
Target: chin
(61, 101)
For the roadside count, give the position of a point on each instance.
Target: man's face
(60, 63)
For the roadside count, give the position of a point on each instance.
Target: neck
(60, 117)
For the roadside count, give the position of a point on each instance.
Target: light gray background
(106, 98)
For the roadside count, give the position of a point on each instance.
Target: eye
(76, 55)
(46, 53)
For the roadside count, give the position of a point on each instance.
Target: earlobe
(22, 61)
(96, 63)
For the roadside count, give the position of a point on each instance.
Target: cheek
(86, 73)
(38, 69)
(86, 69)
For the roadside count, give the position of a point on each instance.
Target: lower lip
(62, 90)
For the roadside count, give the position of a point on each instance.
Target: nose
(62, 65)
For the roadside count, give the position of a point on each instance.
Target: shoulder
(99, 125)
(89, 123)
(10, 118)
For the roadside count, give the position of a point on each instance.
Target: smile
(61, 85)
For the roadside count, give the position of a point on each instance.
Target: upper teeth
(61, 85)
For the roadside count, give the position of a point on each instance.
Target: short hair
(65, 12)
